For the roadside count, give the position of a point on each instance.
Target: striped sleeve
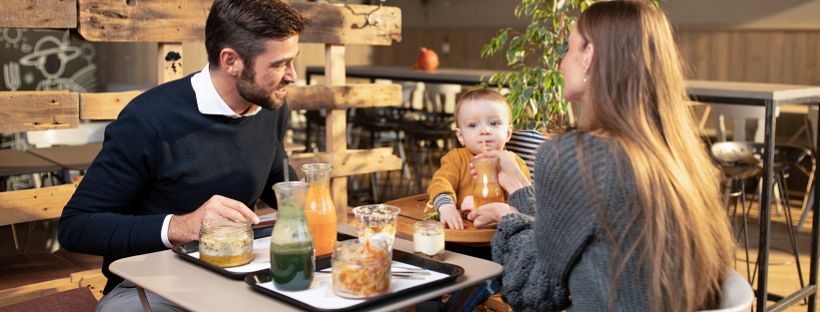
(525, 143)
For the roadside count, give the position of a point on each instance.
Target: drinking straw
(484, 146)
(285, 167)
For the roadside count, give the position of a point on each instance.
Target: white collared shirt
(209, 102)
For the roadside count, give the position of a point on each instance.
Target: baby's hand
(448, 214)
(467, 204)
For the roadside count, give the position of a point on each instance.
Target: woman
(625, 213)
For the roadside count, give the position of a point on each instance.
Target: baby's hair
(481, 94)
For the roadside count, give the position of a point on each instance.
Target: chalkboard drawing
(86, 77)
(13, 37)
(50, 56)
(11, 76)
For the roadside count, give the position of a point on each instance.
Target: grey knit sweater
(556, 253)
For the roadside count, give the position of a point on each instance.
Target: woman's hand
(510, 176)
(488, 215)
(448, 214)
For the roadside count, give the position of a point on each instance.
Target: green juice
(292, 266)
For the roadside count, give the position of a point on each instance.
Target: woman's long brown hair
(636, 95)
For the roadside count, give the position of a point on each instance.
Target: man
(204, 146)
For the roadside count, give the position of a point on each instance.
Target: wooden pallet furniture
(168, 24)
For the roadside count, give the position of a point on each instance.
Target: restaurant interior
(366, 104)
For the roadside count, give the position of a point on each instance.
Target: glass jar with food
(361, 269)
(225, 243)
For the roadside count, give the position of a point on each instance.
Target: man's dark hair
(243, 25)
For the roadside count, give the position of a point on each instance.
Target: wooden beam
(144, 21)
(341, 97)
(38, 110)
(336, 126)
(34, 204)
(38, 14)
(184, 20)
(352, 162)
(104, 106)
(348, 24)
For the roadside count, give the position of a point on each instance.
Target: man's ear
(230, 62)
(459, 136)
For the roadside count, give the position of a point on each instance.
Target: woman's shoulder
(568, 143)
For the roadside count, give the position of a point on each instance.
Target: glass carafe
(320, 211)
(292, 260)
(485, 187)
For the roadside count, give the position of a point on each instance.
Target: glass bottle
(320, 211)
(485, 187)
(292, 259)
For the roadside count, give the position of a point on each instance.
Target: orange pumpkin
(427, 60)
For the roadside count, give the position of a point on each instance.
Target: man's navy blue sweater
(162, 156)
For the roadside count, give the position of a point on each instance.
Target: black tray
(452, 271)
(185, 251)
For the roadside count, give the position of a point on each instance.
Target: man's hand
(448, 214)
(185, 228)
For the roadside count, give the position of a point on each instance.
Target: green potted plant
(535, 82)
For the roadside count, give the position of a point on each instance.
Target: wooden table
(412, 211)
(197, 289)
(13, 162)
(73, 157)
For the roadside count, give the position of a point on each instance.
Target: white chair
(737, 296)
(441, 98)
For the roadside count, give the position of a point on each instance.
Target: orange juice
(485, 187)
(319, 208)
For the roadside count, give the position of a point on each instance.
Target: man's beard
(253, 93)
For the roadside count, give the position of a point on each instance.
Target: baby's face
(483, 122)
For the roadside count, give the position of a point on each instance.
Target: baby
(483, 124)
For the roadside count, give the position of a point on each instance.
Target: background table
(769, 95)
(198, 289)
(73, 157)
(407, 73)
(14, 162)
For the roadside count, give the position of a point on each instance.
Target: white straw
(285, 167)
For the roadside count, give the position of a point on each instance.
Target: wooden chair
(31, 275)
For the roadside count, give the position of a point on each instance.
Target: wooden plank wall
(777, 56)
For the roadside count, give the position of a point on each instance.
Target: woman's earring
(585, 78)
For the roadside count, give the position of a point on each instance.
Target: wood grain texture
(184, 20)
(38, 110)
(341, 97)
(145, 21)
(34, 204)
(104, 106)
(352, 162)
(348, 24)
(38, 14)
(33, 291)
